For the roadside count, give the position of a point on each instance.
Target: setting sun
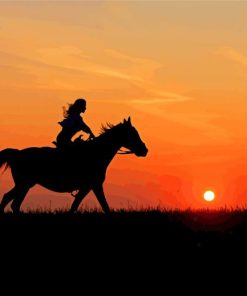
(209, 195)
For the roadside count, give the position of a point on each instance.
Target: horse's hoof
(69, 212)
(15, 211)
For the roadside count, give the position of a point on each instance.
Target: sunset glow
(178, 68)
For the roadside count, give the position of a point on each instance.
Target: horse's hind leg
(18, 199)
(7, 197)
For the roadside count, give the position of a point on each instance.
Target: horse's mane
(106, 127)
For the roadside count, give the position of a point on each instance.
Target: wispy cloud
(232, 54)
(145, 69)
(159, 97)
(148, 63)
(113, 73)
(73, 58)
(139, 72)
(93, 67)
(64, 51)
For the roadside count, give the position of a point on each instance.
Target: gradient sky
(178, 68)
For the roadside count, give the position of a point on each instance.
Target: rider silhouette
(72, 123)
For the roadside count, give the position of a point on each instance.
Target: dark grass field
(199, 231)
(127, 248)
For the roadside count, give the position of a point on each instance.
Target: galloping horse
(81, 167)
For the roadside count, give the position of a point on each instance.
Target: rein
(124, 152)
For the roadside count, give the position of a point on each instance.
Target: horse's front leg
(100, 195)
(78, 198)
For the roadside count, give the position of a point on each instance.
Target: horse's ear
(127, 121)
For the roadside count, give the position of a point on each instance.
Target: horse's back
(28, 159)
(33, 150)
(39, 163)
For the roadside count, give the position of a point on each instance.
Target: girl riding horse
(73, 123)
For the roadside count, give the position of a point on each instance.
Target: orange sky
(177, 68)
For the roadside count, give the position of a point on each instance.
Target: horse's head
(131, 139)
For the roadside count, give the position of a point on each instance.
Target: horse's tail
(6, 156)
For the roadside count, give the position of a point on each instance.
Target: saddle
(76, 141)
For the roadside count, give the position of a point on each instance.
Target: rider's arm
(86, 128)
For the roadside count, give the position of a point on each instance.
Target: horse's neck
(108, 147)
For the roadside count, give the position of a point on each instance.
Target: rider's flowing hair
(73, 108)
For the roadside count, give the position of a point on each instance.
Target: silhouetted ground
(173, 231)
(128, 248)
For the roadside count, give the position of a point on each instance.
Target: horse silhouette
(80, 167)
